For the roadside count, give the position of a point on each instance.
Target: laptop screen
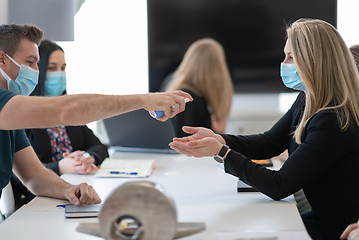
(138, 131)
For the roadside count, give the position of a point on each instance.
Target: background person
(61, 149)
(74, 140)
(324, 149)
(204, 74)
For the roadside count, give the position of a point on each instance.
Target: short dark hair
(12, 34)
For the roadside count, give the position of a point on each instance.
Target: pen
(62, 205)
(127, 173)
(157, 114)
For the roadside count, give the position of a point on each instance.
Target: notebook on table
(137, 131)
(82, 211)
(125, 168)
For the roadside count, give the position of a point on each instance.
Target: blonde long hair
(327, 68)
(204, 71)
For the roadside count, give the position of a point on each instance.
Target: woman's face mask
(55, 83)
(290, 77)
(26, 80)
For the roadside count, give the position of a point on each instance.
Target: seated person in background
(203, 73)
(61, 149)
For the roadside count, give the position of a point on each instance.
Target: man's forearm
(85, 108)
(48, 184)
(39, 180)
(42, 112)
(66, 110)
(44, 182)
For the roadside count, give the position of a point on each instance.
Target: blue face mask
(290, 77)
(25, 82)
(55, 83)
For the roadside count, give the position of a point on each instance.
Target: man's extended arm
(39, 112)
(44, 182)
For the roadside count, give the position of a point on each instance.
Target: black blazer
(325, 165)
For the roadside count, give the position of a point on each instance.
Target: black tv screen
(252, 33)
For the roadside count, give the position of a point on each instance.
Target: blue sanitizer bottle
(157, 114)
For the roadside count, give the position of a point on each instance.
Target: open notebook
(125, 168)
(137, 131)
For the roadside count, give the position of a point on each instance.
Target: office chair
(7, 202)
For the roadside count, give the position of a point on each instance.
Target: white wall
(109, 54)
(348, 21)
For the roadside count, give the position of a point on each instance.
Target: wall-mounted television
(252, 33)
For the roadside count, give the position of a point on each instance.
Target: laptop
(137, 131)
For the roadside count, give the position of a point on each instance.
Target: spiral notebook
(125, 168)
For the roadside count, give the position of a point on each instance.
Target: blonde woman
(203, 73)
(320, 131)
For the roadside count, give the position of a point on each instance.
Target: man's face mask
(55, 83)
(25, 82)
(290, 77)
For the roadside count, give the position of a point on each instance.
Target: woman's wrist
(217, 149)
(221, 152)
(225, 156)
(220, 139)
(61, 167)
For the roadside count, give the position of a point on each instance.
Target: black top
(196, 114)
(325, 165)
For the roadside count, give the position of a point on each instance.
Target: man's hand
(82, 194)
(75, 162)
(171, 103)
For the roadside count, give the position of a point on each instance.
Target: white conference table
(202, 192)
